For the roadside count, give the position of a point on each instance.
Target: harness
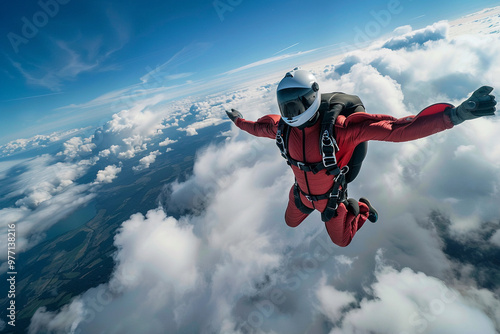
(332, 105)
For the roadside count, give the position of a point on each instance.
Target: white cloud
(158, 259)
(134, 145)
(67, 319)
(31, 224)
(105, 153)
(114, 149)
(136, 121)
(419, 37)
(43, 179)
(164, 235)
(145, 162)
(190, 131)
(38, 141)
(496, 238)
(332, 301)
(130, 131)
(108, 174)
(409, 302)
(208, 271)
(47, 193)
(77, 146)
(167, 142)
(208, 113)
(482, 22)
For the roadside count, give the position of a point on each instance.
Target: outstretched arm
(363, 127)
(433, 119)
(266, 126)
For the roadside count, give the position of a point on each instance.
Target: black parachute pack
(332, 105)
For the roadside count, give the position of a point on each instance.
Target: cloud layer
(418, 38)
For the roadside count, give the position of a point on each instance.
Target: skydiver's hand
(480, 104)
(234, 115)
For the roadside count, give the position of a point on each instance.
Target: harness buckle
(300, 165)
(281, 145)
(329, 158)
(335, 195)
(343, 171)
(328, 141)
(329, 161)
(279, 138)
(341, 191)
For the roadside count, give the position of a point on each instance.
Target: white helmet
(298, 97)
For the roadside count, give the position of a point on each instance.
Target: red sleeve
(361, 127)
(266, 126)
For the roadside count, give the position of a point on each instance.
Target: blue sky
(59, 55)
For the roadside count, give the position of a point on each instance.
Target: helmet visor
(295, 101)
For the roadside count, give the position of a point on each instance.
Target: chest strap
(328, 148)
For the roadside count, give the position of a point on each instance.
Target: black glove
(480, 104)
(234, 115)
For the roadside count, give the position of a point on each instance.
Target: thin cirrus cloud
(269, 60)
(65, 64)
(63, 56)
(166, 71)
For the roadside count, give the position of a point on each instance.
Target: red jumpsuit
(303, 145)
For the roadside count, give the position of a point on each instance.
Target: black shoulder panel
(347, 100)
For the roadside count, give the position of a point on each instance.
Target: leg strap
(337, 196)
(298, 202)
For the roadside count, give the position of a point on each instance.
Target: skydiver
(324, 138)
